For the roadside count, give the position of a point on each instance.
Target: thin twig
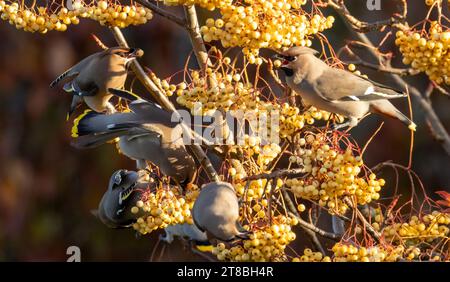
(311, 234)
(375, 235)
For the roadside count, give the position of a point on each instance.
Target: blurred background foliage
(48, 189)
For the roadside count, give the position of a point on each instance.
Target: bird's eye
(117, 179)
(291, 58)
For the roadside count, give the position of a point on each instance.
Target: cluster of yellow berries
(265, 244)
(41, 19)
(167, 88)
(256, 191)
(37, 20)
(350, 253)
(417, 230)
(237, 170)
(264, 153)
(113, 14)
(292, 120)
(310, 256)
(164, 207)
(428, 53)
(207, 4)
(229, 93)
(332, 174)
(268, 153)
(264, 24)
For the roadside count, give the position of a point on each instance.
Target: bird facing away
(90, 79)
(145, 134)
(124, 190)
(216, 212)
(336, 90)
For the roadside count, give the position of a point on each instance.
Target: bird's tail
(405, 120)
(81, 124)
(90, 129)
(385, 107)
(203, 246)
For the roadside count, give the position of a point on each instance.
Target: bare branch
(276, 174)
(361, 26)
(196, 38)
(163, 13)
(198, 152)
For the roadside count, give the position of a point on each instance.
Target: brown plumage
(336, 90)
(90, 79)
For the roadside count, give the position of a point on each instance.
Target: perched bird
(216, 212)
(336, 90)
(145, 134)
(124, 190)
(90, 79)
(189, 232)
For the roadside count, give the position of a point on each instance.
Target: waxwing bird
(90, 79)
(189, 232)
(145, 134)
(216, 212)
(124, 190)
(336, 90)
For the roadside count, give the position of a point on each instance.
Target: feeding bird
(90, 79)
(124, 190)
(216, 212)
(336, 90)
(145, 134)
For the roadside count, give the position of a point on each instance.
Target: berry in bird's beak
(283, 60)
(135, 53)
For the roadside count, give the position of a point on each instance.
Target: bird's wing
(152, 112)
(337, 85)
(136, 129)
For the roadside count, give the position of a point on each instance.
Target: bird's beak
(278, 57)
(135, 53)
(282, 58)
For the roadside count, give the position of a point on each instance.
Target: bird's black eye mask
(289, 58)
(125, 194)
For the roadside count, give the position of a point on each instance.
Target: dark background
(47, 188)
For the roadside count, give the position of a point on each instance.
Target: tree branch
(198, 152)
(361, 26)
(163, 13)
(276, 174)
(196, 38)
